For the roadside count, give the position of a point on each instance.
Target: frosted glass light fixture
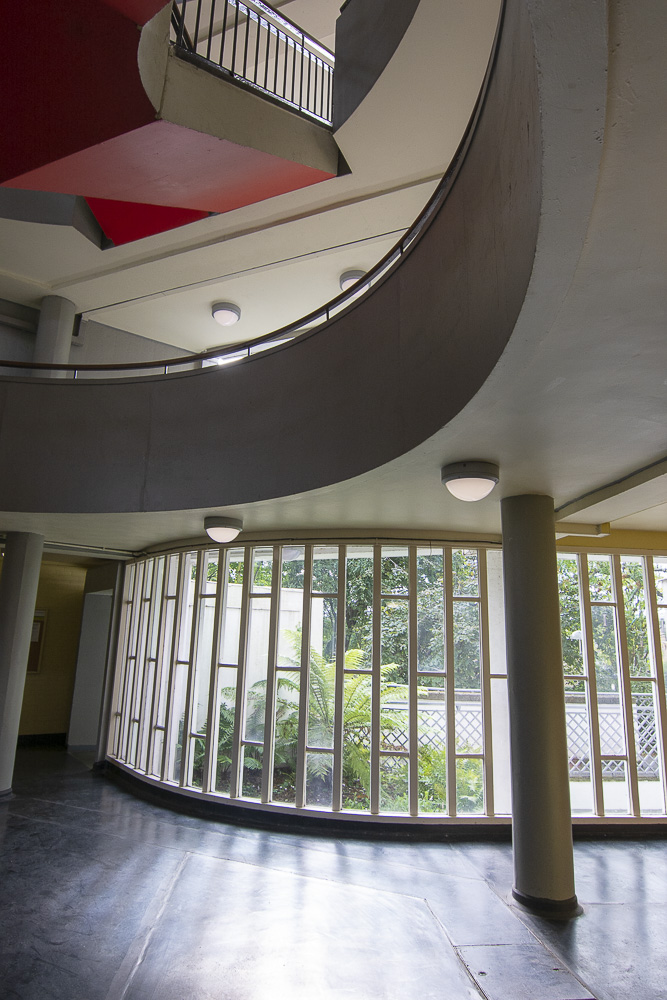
(225, 313)
(349, 278)
(222, 529)
(470, 480)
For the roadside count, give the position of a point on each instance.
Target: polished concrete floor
(105, 897)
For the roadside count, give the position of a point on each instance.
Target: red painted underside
(126, 221)
(69, 80)
(165, 164)
(138, 11)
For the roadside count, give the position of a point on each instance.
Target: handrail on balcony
(250, 42)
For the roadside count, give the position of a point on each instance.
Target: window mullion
(413, 684)
(450, 682)
(591, 687)
(376, 682)
(133, 646)
(304, 678)
(339, 721)
(213, 710)
(656, 657)
(186, 747)
(159, 648)
(626, 690)
(146, 696)
(270, 707)
(241, 676)
(485, 664)
(175, 640)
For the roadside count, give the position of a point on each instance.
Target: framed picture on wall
(36, 642)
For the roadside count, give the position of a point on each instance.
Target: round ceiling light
(225, 313)
(349, 278)
(470, 480)
(222, 529)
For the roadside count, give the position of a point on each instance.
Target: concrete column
(18, 593)
(541, 819)
(54, 334)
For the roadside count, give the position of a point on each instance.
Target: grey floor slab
(106, 897)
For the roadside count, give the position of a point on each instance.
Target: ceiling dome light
(470, 480)
(349, 278)
(222, 529)
(225, 313)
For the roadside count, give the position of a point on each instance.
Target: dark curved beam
(366, 388)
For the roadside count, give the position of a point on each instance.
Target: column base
(554, 909)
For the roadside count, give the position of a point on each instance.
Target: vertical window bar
(210, 30)
(376, 681)
(656, 658)
(270, 707)
(186, 747)
(195, 40)
(308, 57)
(485, 664)
(159, 665)
(337, 802)
(413, 691)
(591, 687)
(212, 715)
(131, 676)
(304, 680)
(267, 56)
(293, 71)
(450, 681)
(121, 671)
(315, 95)
(275, 68)
(240, 677)
(630, 746)
(175, 638)
(301, 77)
(286, 51)
(146, 696)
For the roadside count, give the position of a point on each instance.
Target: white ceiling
(578, 399)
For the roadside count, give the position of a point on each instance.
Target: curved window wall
(369, 678)
(355, 678)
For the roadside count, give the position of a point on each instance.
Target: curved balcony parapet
(372, 382)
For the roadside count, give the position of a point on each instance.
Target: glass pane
(662, 628)
(356, 741)
(148, 576)
(197, 759)
(615, 787)
(394, 570)
(291, 574)
(604, 641)
(319, 780)
(251, 772)
(230, 628)
(322, 687)
(394, 641)
(468, 722)
(466, 645)
(145, 716)
(500, 730)
(469, 786)
(256, 668)
(572, 636)
(579, 748)
(175, 749)
(394, 719)
(155, 611)
(359, 606)
(325, 569)
(465, 577)
(286, 736)
(636, 627)
(430, 610)
(226, 705)
(660, 571)
(647, 747)
(234, 562)
(262, 570)
(432, 729)
(290, 614)
(189, 583)
(496, 611)
(155, 768)
(202, 671)
(172, 578)
(165, 661)
(210, 578)
(599, 578)
(394, 785)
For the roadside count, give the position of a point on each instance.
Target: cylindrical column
(54, 334)
(18, 592)
(541, 818)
